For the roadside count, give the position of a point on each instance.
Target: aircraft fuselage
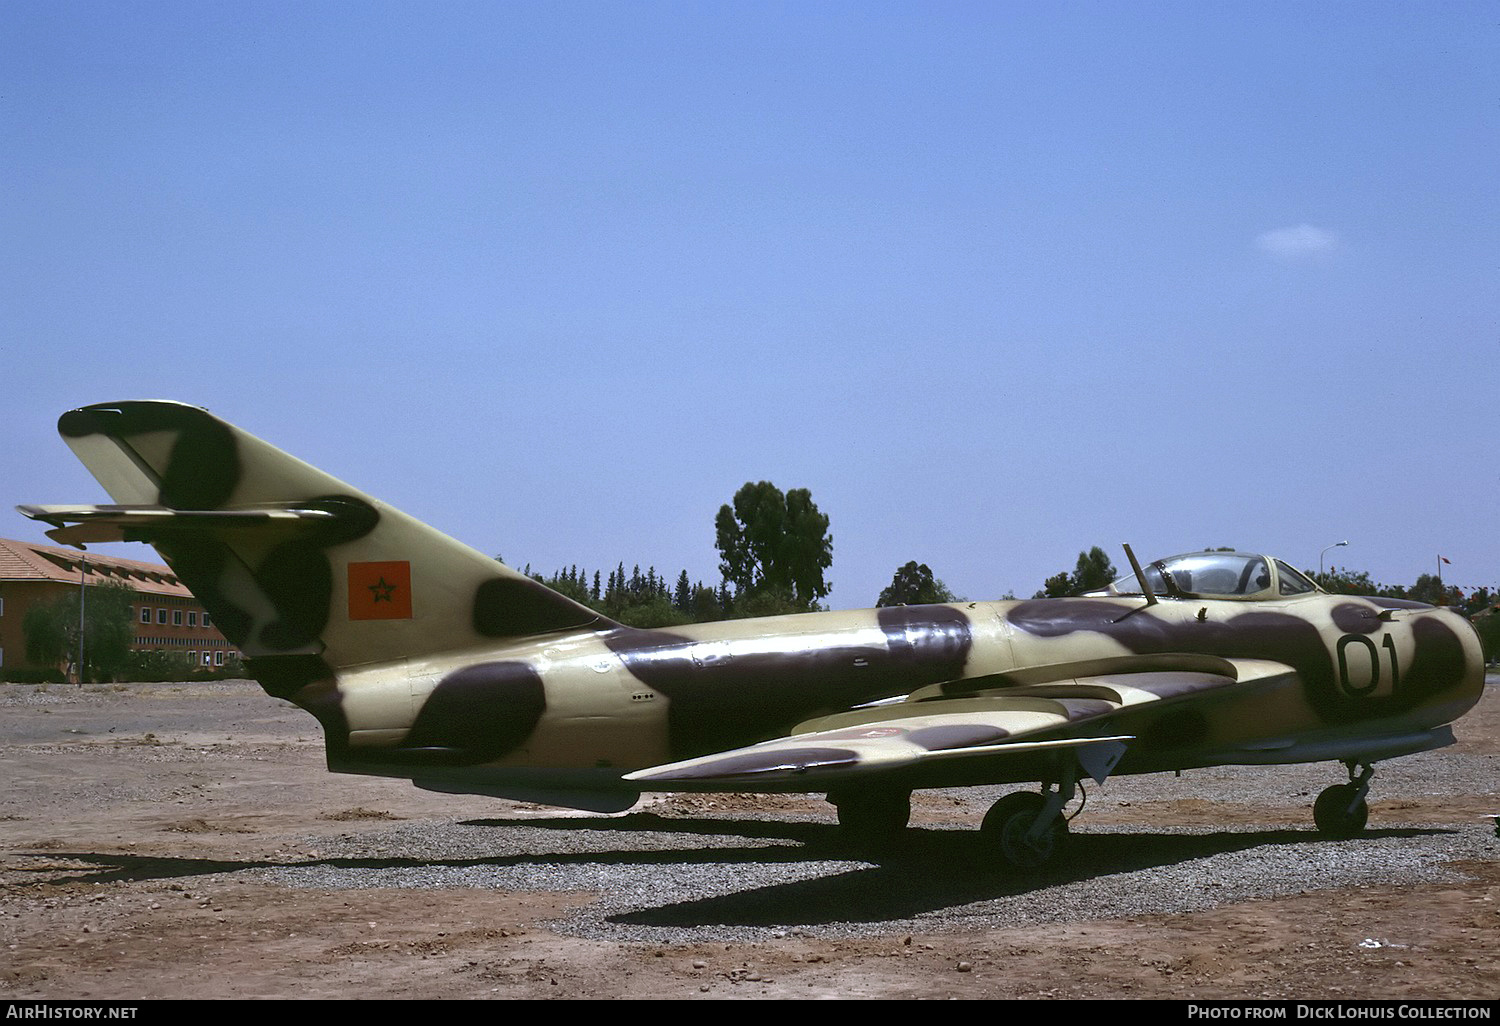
(610, 701)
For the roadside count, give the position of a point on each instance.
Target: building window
(145, 614)
(206, 621)
(207, 658)
(192, 657)
(161, 616)
(218, 658)
(192, 618)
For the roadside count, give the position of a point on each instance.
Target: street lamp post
(1335, 545)
(83, 569)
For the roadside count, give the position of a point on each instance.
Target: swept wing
(970, 730)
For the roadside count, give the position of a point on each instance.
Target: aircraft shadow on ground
(925, 871)
(932, 870)
(111, 867)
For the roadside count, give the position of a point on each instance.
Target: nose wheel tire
(1340, 812)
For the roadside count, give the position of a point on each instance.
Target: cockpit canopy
(1219, 575)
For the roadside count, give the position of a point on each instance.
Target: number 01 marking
(1364, 690)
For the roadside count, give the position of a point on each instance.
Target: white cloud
(1297, 242)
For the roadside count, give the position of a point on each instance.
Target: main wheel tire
(1008, 823)
(1333, 814)
(872, 819)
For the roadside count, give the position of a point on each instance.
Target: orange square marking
(380, 591)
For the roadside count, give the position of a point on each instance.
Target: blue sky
(997, 282)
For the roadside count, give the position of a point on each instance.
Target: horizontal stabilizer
(76, 525)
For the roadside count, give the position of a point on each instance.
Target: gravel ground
(681, 881)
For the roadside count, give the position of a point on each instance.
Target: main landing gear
(1341, 810)
(1025, 829)
(872, 820)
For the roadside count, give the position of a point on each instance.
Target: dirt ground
(133, 821)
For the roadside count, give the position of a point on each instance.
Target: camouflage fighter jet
(425, 659)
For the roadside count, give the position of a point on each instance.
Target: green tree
(1479, 602)
(638, 599)
(705, 604)
(774, 547)
(568, 582)
(914, 585)
(51, 630)
(653, 611)
(1092, 572)
(1343, 581)
(110, 623)
(1057, 586)
(1488, 626)
(1429, 589)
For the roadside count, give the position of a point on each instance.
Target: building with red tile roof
(167, 617)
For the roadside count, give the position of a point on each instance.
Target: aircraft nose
(1473, 649)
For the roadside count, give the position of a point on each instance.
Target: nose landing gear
(1341, 810)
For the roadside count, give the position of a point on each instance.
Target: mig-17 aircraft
(425, 659)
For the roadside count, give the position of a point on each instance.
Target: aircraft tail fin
(304, 574)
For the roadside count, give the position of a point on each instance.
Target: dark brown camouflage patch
(722, 701)
(1352, 618)
(1170, 685)
(1141, 632)
(768, 685)
(936, 639)
(483, 711)
(204, 464)
(1439, 662)
(1173, 730)
(509, 607)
